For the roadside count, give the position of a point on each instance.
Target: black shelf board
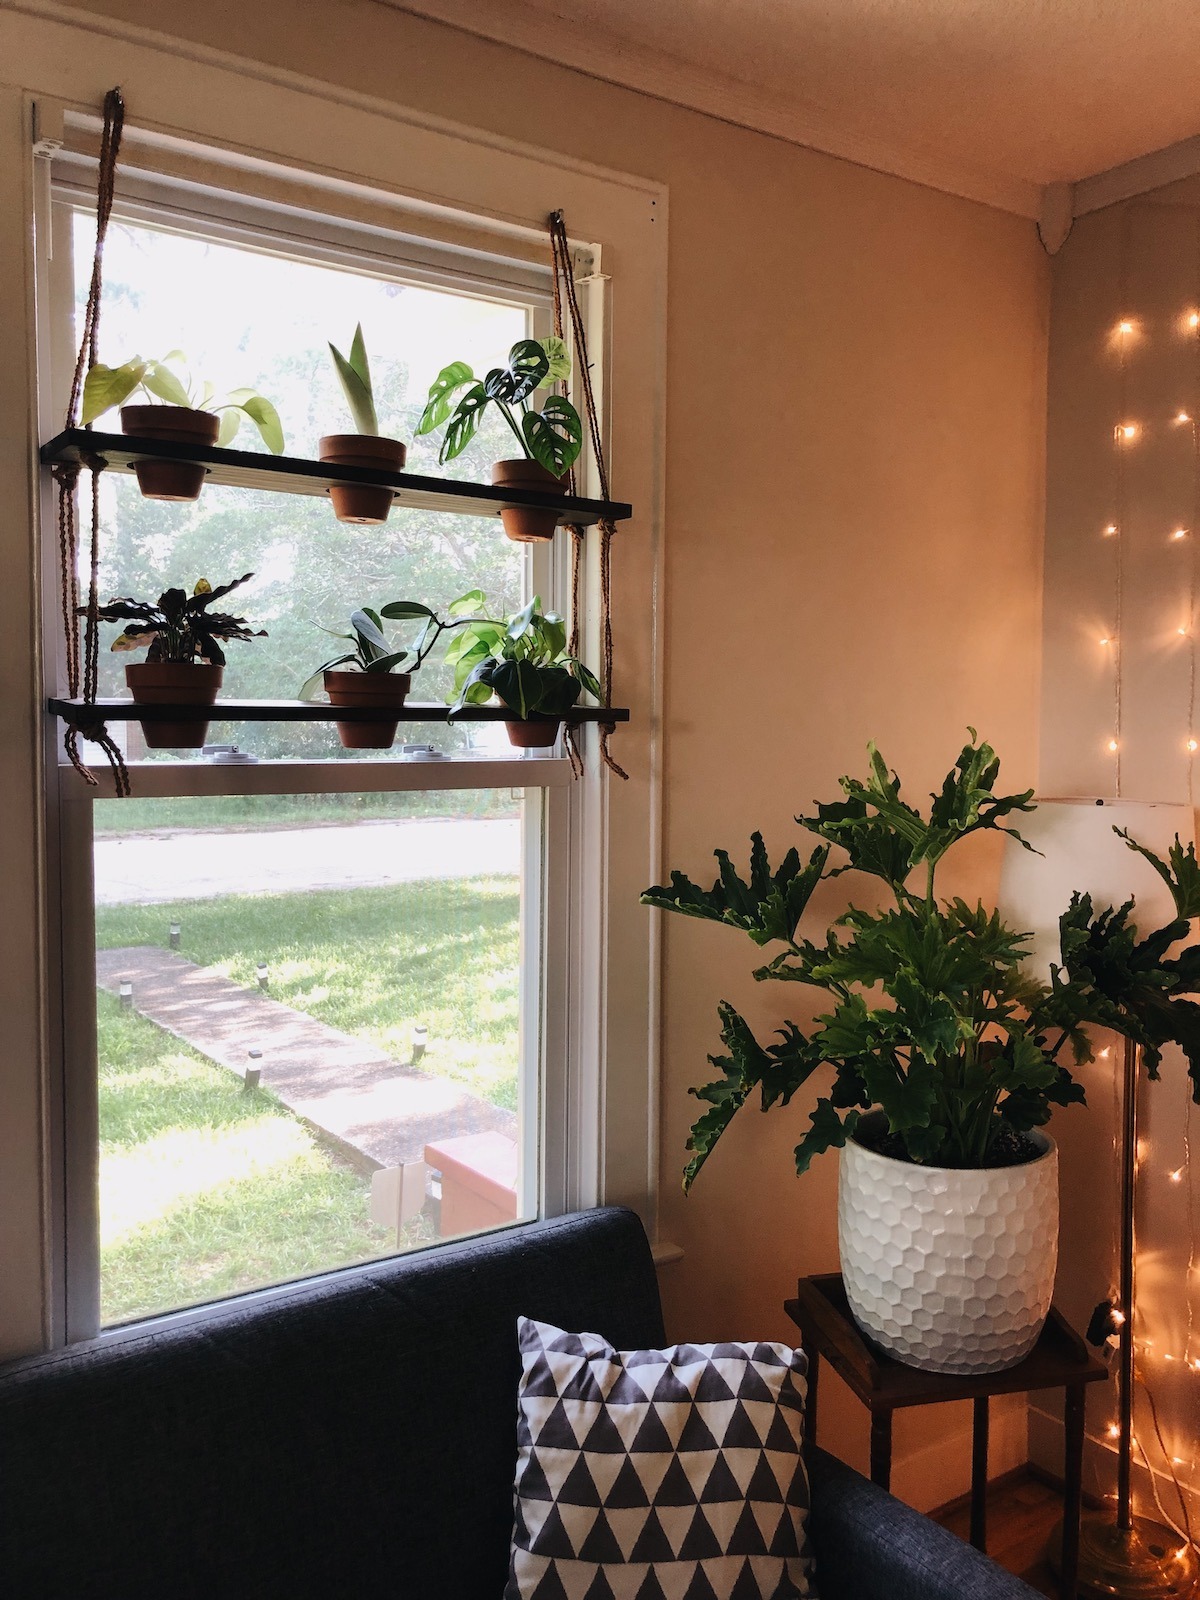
(78, 711)
(291, 475)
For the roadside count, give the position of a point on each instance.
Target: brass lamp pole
(1131, 1558)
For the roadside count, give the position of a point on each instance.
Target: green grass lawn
(207, 1188)
(207, 812)
(372, 962)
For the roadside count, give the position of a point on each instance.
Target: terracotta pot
(949, 1269)
(536, 733)
(170, 480)
(357, 502)
(155, 683)
(386, 691)
(528, 524)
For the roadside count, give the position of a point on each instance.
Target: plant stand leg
(881, 1448)
(810, 1406)
(979, 1474)
(1073, 1421)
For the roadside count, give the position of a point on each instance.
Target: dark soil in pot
(362, 502)
(528, 524)
(170, 480)
(1010, 1150)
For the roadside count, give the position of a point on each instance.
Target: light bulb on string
(1126, 432)
(1181, 416)
(1177, 1175)
(1179, 533)
(1192, 745)
(1113, 747)
(1193, 319)
(1110, 531)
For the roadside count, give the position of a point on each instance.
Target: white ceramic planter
(949, 1270)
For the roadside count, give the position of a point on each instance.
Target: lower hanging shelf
(80, 712)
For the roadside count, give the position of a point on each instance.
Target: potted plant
(360, 502)
(184, 662)
(550, 438)
(523, 662)
(183, 415)
(370, 678)
(946, 1056)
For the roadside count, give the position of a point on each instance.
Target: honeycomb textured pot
(949, 1270)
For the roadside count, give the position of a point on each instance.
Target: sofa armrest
(869, 1546)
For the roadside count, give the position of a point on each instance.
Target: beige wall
(855, 424)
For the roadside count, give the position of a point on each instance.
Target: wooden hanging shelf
(292, 475)
(80, 712)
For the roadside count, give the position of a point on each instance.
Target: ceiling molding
(600, 55)
(1139, 176)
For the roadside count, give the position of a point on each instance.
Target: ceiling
(990, 98)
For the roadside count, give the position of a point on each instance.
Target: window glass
(250, 319)
(310, 1034)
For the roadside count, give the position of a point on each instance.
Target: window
(317, 1028)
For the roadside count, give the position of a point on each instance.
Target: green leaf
(386, 663)
(554, 435)
(161, 381)
(558, 359)
(769, 907)
(1182, 876)
(529, 367)
(106, 387)
(473, 600)
(368, 629)
(519, 624)
(355, 378)
(828, 1132)
(397, 610)
(266, 419)
(441, 395)
(231, 421)
(461, 428)
(777, 1072)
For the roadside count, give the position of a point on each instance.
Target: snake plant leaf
(161, 381)
(462, 426)
(106, 387)
(558, 359)
(554, 435)
(355, 377)
(1181, 876)
(441, 395)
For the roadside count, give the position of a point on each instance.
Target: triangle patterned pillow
(670, 1474)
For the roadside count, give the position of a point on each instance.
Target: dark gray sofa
(356, 1437)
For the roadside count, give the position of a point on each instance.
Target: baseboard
(1100, 1471)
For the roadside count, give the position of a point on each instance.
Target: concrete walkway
(375, 1111)
(153, 869)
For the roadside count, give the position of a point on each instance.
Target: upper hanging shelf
(291, 475)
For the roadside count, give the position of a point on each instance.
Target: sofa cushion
(647, 1474)
(319, 1442)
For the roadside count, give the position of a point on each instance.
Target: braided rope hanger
(84, 664)
(565, 293)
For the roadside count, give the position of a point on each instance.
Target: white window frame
(604, 1100)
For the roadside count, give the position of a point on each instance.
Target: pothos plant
(179, 627)
(522, 659)
(168, 381)
(935, 1019)
(551, 435)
